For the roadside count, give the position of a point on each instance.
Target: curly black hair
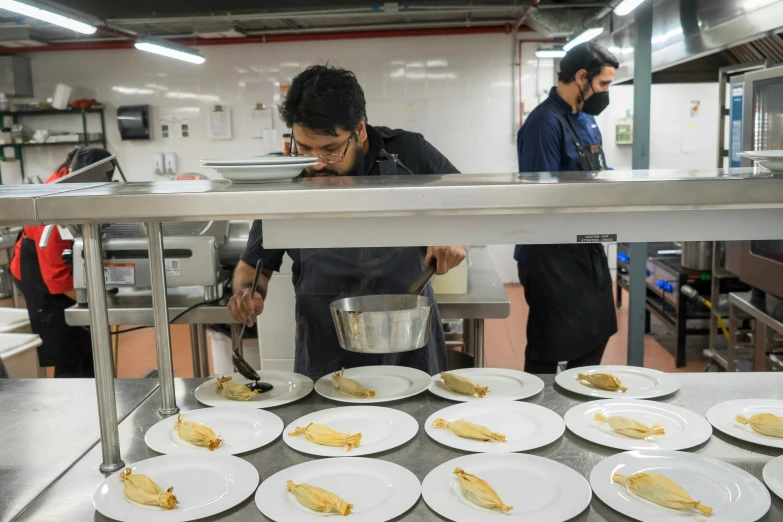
(324, 99)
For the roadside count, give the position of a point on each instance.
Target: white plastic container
(62, 96)
(14, 320)
(454, 282)
(20, 356)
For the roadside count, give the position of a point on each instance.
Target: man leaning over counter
(325, 109)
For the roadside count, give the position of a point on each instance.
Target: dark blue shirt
(545, 145)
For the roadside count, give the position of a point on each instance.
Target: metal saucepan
(389, 323)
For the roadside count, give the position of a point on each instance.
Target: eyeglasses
(325, 158)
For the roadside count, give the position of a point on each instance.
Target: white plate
(722, 418)
(642, 383)
(378, 490)
(390, 383)
(769, 159)
(732, 493)
(684, 429)
(261, 160)
(205, 485)
(240, 429)
(503, 384)
(288, 387)
(382, 429)
(539, 489)
(773, 475)
(260, 173)
(526, 426)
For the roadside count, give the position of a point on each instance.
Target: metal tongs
(241, 364)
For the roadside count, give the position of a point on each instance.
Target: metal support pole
(637, 290)
(478, 342)
(161, 318)
(642, 81)
(101, 351)
(194, 350)
(202, 343)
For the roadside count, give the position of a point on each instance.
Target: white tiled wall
(677, 139)
(456, 90)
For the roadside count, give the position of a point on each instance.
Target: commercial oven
(760, 94)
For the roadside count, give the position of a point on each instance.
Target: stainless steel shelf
(454, 209)
(18, 202)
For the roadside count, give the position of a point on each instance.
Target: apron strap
(569, 127)
(388, 164)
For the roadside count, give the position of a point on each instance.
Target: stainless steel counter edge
(69, 499)
(18, 202)
(454, 195)
(486, 299)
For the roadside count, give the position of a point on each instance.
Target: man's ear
(581, 77)
(361, 131)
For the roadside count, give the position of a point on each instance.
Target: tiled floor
(504, 342)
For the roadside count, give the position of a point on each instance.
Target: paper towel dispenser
(16, 78)
(134, 122)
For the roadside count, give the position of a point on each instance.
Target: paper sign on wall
(261, 121)
(220, 123)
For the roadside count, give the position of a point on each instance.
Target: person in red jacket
(46, 282)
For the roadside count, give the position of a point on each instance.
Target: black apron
(569, 287)
(329, 274)
(67, 348)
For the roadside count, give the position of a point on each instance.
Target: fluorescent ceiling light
(170, 50)
(626, 6)
(47, 16)
(550, 53)
(586, 36)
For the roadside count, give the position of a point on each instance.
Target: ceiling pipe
(603, 13)
(321, 13)
(273, 38)
(528, 10)
(193, 39)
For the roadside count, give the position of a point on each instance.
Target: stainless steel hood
(688, 30)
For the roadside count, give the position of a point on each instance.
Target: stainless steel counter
(69, 499)
(486, 299)
(45, 426)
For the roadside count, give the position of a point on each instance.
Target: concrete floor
(504, 342)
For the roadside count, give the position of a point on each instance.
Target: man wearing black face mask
(568, 287)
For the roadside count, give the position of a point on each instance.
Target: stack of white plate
(261, 169)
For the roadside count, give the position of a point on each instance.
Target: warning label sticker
(597, 238)
(172, 267)
(116, 274)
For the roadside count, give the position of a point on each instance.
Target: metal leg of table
(235, 330)
(161, 319)
(478, 343)
(101, 351)
(760, 347)
(473, 340)
(731, 353)
(194, 350)
(681, 325)
(15, 295)
(202, 344)
(637, 301)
